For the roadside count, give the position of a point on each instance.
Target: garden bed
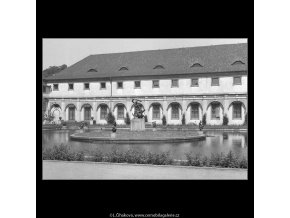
(63, 152)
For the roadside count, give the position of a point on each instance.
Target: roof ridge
(167, 49)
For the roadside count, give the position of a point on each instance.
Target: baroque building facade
(210, 80)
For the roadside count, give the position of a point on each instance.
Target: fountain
(137, 133)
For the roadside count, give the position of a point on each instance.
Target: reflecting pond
(216, 142)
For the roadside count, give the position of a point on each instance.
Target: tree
(183, 119)
(246, 119)
(204, 119)
(53, 70)
(164, 120)
(146, 119)
(127, 119)
(225, 120)
(110, 118)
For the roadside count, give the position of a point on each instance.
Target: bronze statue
(138, 108)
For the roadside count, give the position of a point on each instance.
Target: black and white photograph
(145, 109)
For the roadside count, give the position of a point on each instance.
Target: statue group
(138, 108)
(138, 122)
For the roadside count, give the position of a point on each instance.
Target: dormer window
(123, 68)
(238, 63)
(92, 70)
(196, 65)
(158, 67)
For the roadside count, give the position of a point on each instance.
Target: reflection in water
(217, 143)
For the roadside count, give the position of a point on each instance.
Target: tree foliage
(127, 119)
(146, 118)
(225, 120)
(204, 119)
(246, 119)
(110, 118)
(53, 70)
(164, 120)
(183, 119)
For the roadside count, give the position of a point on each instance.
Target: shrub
(243, 163)
(183, 119)
(98, 156)
(154, 124)
(127, 119)
(225, 120)
(164, 120)
(216, 160)
(204, 119)
(133, 156)
(48, 117)
(146, 119)
(61, 152)
(110, 118)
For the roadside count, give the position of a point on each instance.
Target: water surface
(217, 143)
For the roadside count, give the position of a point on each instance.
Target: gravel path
(93, 170)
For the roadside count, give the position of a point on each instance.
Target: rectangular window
(156, 112)
(55, 87)
(70, 86)
(237, 111)
(119, 85)
(194, 112)
(174, 83)
(103, 112)
(120, 112)
(43, 89)
(237, 80)
(155, 83)
(71, 113)
(137, 84)
(194, 82)
(215, 111)
(87, 113)
(103, 85)
(86, 86)
(215, 81)
(175, 112)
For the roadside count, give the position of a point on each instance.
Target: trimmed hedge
(133, 156)
(62, 152)
(216, 160)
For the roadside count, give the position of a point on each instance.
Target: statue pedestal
(138, 124)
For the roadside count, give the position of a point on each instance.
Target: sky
(57, 52)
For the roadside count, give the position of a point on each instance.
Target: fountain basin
(126, 136)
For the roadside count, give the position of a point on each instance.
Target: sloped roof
(216, 58)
